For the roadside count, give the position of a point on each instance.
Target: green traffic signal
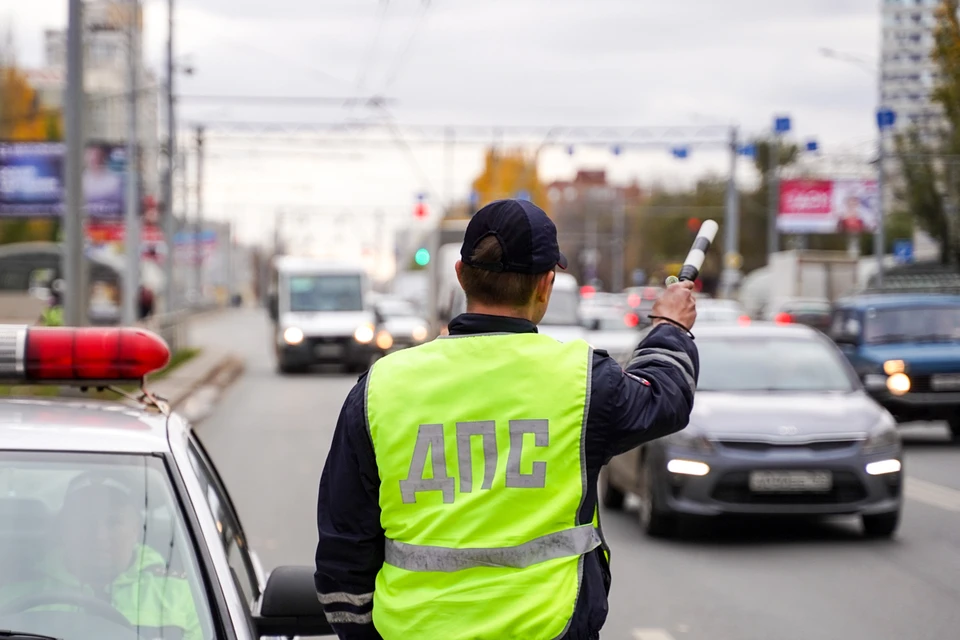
(422, 257)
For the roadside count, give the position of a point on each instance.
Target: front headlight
(419, 333)
(293, 335)
(898, 384)
(364, 334)
(881, 439)
(690, 441)
(384, 340)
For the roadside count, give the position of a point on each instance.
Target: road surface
(735, 581)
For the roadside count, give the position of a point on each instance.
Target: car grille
(754, 446)
(734, 488)
(923, 384)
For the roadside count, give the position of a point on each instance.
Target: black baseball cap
(526, 234)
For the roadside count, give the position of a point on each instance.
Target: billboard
(828, 206)
(32, 179)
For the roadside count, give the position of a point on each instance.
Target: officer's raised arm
(653, 396)
(350, 545)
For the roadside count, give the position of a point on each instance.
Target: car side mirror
(378, 317)
(273, 307)
(593, 324)
(289, 606)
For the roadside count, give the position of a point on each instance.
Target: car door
(244, 564)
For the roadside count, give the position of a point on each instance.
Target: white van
(562, 320)
(322, 314)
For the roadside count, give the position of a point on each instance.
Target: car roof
(889, 300)
(754, 329)
(303, 263)
(83, 425)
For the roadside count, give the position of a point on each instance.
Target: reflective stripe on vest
(479, 447)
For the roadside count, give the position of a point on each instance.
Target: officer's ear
(545, 286)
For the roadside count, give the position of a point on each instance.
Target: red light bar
(73, 355)
(783, 318)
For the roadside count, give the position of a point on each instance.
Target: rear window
(770, 364)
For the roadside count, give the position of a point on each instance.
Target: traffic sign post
(903, 251)
(886, 118)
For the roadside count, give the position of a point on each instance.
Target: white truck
(322, 314)
(810, 275)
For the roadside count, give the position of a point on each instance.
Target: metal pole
(732, 223)
(879, 239)
(169, 224)
(198, 243)
(131, 280)
(448, 168)
(619, 238)
(73, 272)
(773, 186)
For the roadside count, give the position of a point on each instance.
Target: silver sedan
(781, 426)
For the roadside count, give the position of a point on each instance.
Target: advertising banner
(828, 206)
(32, 180)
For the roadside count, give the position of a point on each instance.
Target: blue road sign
(886, 118)
(748, 150)
(812, 146)
(903, 251)
(639, 277)
(523, 194)
(570, 150)
(474, 198)
(781, 124)
(616, 149)
(680, 152)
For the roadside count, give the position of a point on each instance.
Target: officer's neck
(522, 313)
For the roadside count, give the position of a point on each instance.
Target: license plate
(790, 481)
(945, 382)
(328, 350)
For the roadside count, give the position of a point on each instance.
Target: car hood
(403, 326)
(563, 333)
(327, 323)
(616, 343)
(787, 415)
(923, 358)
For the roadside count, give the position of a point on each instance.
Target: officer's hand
(678, 304)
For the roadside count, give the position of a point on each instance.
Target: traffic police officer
(459, 497)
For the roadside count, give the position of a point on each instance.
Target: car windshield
(394, 308)
(913, 324)
(564, 309)
(325, 293)
(808, 308)
(757, 363)
(94, 546)
(718, 313)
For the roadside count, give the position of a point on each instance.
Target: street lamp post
(781, 125)
(131, 280)
(73, 268)
(886, 118)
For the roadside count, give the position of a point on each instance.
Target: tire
(655, 520)
(881, 525)
(610, 497)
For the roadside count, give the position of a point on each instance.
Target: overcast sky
(497, 62)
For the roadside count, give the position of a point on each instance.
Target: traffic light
(420, 211)
(693, 225)
(422, 257)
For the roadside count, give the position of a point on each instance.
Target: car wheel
(881, 525)
(655, 519)
(610, 496)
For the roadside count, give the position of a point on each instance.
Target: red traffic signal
(420, 211)
(693, 224)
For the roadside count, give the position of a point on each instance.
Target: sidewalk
(193, 388)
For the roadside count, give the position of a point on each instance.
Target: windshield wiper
(893, 337)
(6, 633)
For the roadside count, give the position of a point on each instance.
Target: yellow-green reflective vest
(479, 445)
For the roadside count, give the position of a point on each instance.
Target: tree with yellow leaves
(510, 174)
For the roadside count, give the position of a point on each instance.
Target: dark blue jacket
(652, 398)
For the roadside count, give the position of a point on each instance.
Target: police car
(114, 523)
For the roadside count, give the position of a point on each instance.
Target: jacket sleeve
(350, 547)
(652, 396)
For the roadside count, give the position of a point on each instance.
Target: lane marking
(651, 634)
(932, 494)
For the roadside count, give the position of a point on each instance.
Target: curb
(201, 398)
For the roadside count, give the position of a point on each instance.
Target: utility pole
(619, 239)
(73, 266)
(169, 224)
(198, 240)
(773, 195)
(731, 258)
(131, 280)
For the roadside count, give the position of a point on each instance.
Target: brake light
(743, 320)
(66, 354)
(586, 291)
(633, 300)
(783, 318)
(649, 294)
(631, 319)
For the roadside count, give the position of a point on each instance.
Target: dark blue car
(906, 349)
